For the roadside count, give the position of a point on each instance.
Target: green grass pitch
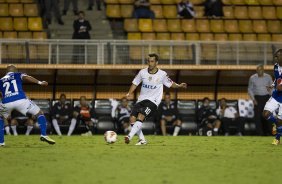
(165, 160)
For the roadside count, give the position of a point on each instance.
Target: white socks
(72, 126)
(28, 130)
(176, 130)
(56, 127)
(14, 129)
(140, 135)
(7, 129)
(136, 127)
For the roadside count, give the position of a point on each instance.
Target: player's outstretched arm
(182, 85)
(34, 80)
(131, 90)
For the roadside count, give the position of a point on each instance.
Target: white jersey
(152, 85)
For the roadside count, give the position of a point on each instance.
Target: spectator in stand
(213, 8)
(67, 5)
(185, 9)
(142, 10)
(82, 113)
(91, 4)
(208, 119)
(169, 115)
(18, 118)
(81, 31)
(61, 113)
(229, 116)
(52, 5)
(122, 114)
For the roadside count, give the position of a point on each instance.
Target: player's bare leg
(163, 126)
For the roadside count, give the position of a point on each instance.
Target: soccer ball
(110, 137)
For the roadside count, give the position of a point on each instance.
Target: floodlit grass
(165, 160)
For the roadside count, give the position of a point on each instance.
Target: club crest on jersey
(149, 86)
(150, 78)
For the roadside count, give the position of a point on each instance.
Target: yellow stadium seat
(269, 12)
(208, 52)
(180, 52)
(20, 24)
(231, 26)
(241, 12)
(158, 10)
(160, 25)
(192, 1)
(259, 26)
(15, 51)
(169, 11)
(167, 2)
(228, 12)
(188, 25)
(199, 10)
(113, 11)
(10, 35)
(134, 36)
(238, 2)
(31, 10)
(227, 2)
(25, 35)
(131, 25)
(274, 26)
(148, 36)
(35, 24)
(217, 26)
(277, 37)
(43, 51)
(235, 37)
(16, 10)
(221, 37)
(277, 2)
(39, 35)
(6, 24)
(177, 36)
(206, 37)
(32, 52)
(249, 37)
(264, 37)
(265, 2)
(279, 12)
(202, 25)
(192, 36)
(4, 11)
(126, 1)
(145, 25)
(254, 12)
(173, 25)
(27, 1)
(12, 1)
(163, 36)
(245, 26)
(252, 2)
(126, 11)
(111, 1)
(155, 1)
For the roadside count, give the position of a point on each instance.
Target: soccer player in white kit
(151, 94)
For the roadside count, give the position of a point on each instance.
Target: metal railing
(135, 52)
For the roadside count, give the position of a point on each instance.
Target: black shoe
(75, 12)
(90, 8)
(64, 12)
(60, 22)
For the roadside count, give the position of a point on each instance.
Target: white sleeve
(167, 81)
(138, 79)
(23, 74)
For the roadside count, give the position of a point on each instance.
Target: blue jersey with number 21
(11, 87)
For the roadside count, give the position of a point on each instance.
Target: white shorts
(23, 106)
(272, 106)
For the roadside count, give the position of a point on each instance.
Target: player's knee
(132, 119)
(163, 122)
(40, 113)
(178, 122)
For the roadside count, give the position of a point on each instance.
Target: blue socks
(272, 119)
(1, 130)
(279, 132)
(43, 124)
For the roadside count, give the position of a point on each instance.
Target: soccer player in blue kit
(275, 101)
(14, 98)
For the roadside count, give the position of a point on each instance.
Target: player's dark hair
(167, 93)
(223, 99)
(156, 56)
(63, 95)
(206, 98)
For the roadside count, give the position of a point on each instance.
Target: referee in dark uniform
(259, 92)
